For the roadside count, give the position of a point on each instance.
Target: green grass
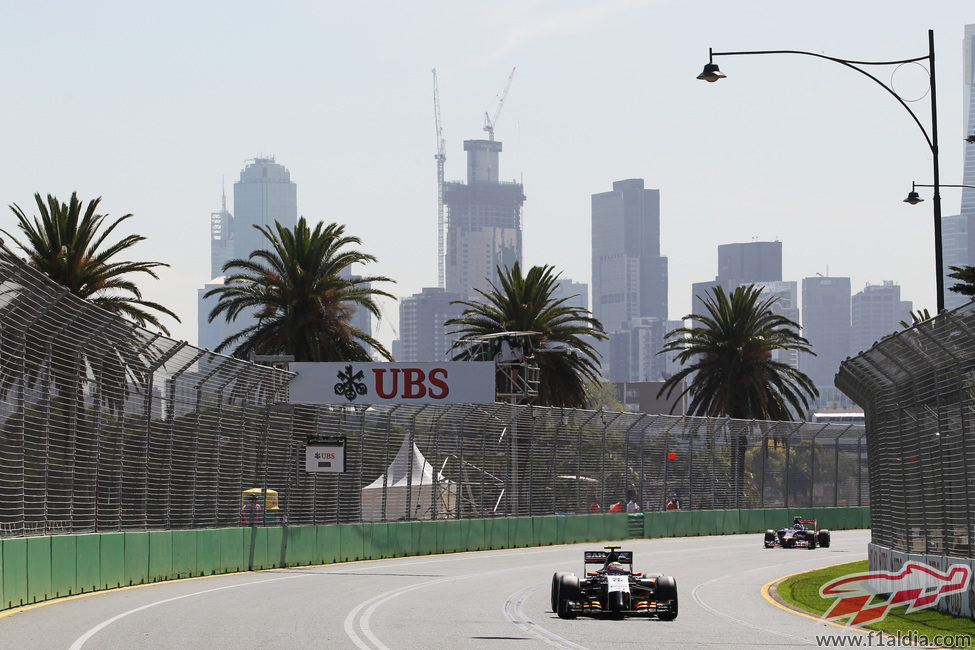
(802, 591)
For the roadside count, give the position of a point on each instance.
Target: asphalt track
(490, 599)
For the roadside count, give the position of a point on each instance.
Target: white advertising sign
(351, 382)
(325, 458)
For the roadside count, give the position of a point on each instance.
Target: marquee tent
(424, 496)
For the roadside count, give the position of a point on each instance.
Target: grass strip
(802, 591)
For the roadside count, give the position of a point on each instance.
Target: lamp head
(711, 73)
(913, 198)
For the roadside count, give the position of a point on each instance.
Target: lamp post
(914, 198)
(711, 73)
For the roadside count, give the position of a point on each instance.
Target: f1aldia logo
(916, 585)
(415, 383)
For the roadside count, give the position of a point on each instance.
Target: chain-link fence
(106, 426)
(916, 389)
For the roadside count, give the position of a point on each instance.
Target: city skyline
(604, 91)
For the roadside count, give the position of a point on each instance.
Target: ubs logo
(350, 384)
(393, 383)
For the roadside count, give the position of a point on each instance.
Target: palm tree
(728, 364)
(302, 302)
(918, 316)
(66, 245)
(728, 360)
(67, 242)
(566, 358)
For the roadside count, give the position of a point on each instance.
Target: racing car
(804, 533)
(610, 587)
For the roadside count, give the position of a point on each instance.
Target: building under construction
(483, 221)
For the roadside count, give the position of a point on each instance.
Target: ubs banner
(450, 382)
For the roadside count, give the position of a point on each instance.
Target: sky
(156, 107)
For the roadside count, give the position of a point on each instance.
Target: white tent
(420, 488)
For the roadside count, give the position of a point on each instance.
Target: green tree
(966, 278)
(602, 395)
(807, 459)
(68, 244)
(918, 316)
(302, 303)
(566, 357)
(728, 365)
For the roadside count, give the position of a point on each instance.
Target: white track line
(514, 611)
(81, 640)
(370, 607)
(700, 601)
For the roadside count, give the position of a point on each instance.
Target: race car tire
(769, 539)
(824, 538)
(555, 589)
(811, 538)
(568, 590)
(667, 590)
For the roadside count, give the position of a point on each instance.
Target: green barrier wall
(34, 569)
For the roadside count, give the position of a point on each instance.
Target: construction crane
(489, 123)
(440, 157)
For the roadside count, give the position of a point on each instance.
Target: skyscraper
(958, 231)
(483, 221)
(876, 312)
(360, 318)
(786, 296)
(576, 294)
(629, 276)
(757, 262)
(423, 336)
(264, 194)
(968, 112)
(221, 238)
(958, 244)
(634, 351)
(826, 325)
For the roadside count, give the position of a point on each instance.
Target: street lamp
(711, 73)
(914, 198)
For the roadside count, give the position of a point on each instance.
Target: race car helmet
(615, 567)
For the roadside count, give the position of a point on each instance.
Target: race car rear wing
(599, 557)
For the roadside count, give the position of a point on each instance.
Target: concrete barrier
(35, 569)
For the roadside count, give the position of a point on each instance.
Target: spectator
(508, 353)
(632, 506)
(616, 507)
(594, 507)
(250, 514)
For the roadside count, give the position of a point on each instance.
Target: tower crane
(489, 123)
(440, 157)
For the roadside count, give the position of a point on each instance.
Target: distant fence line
(106, 426)
(917, 389)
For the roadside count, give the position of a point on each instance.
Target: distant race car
(804, 533)
(611, 588)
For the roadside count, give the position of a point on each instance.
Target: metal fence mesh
(106, 426)
(916, 388)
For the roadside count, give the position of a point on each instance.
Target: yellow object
(272, 498)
